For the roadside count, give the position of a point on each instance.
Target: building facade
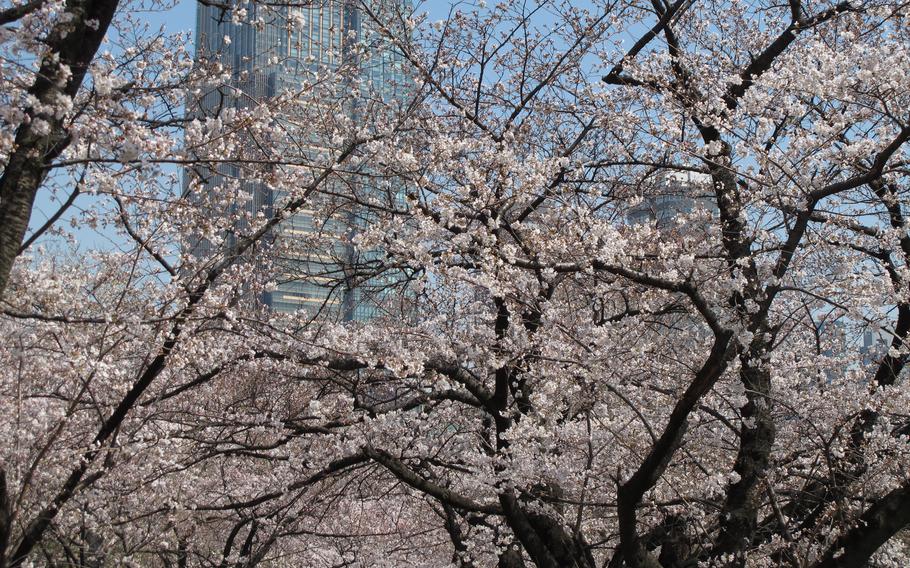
(673, 194)
(271, 51)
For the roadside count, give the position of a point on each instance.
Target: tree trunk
(6, 518)
(43, 136)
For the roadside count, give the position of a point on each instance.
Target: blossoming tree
(649, 305)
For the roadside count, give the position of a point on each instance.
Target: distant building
(875, 344)
(672, 194)
(285, 47)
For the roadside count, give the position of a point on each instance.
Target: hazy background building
(274, 49)
(672, 194)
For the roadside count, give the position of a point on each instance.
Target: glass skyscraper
(273, 50)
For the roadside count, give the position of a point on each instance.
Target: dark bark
(229, 542)
(6, 517)
(676, 545)
(892, 364)
(511, 558)
(543, 537)
(443, 494)
(763, 62)
(460, 557)
(181, 553)
(876, 526)
(652, 468)
(744, 498)
(16, 12)
(570, 550)
(71, 46)
(532, 542)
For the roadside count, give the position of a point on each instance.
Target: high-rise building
(673, 194)
(271, 50)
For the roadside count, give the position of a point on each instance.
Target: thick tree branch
(442, 494)
(874, 527)
(630, 493)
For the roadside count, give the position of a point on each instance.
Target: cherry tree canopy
(646, 296)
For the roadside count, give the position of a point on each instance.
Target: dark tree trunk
(744, 498)
(876, 526)
(41, 138)
(6, 518)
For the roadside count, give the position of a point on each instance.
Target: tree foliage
(648, 304)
